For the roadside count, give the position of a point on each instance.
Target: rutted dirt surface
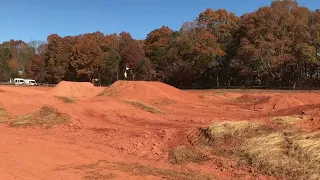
(106, 137)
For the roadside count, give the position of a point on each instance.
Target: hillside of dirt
(75, 89)
(147, 92)
(138, 130)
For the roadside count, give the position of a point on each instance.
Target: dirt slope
(147, 92)
(280, 102)
(75, 89)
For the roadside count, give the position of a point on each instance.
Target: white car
(18, 81)
(30, 82)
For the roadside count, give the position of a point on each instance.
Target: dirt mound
(312, 112)
(280, 102)
(74, 89)
(154, 92)
(255, 99)
(45, 117)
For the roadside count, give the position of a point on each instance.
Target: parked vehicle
(24, 82)
(18, 81)
(30, 82)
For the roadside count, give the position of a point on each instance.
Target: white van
(30, 82)
(18, 81)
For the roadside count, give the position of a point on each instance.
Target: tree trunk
(228, 74)
(118, 75)
(218, 85)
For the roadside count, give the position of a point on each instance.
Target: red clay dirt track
(105, 135)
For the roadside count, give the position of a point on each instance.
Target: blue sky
(36, 19)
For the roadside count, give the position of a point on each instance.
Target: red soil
(147, 92)
(103, 127)
(75, 89)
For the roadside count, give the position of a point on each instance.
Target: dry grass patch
(93, 175)
(66, 100)
(134, 169)
(225, 138)
(3, 112)
(44, 117)
(143, 106)
(286, 155)
(251, 99)
(233, 129)
(286, 119)
(183, 154)
(169, 174)
(3, 115)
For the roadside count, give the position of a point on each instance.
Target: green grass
(66, 100)
(143, 106)
(45, 117)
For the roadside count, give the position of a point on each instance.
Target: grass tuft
(3, 112)
(134, 169)
(66, 100)
(183, 154)
(93, 175)
(285, 155)
(286, 119)
(143, 106)
(44, 117)
(169, 174)
(225, 138)
(233, 129)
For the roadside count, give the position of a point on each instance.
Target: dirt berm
(75, 89)
(147, 92)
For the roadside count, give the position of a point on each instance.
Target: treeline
(276, 46)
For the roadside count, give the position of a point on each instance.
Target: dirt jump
(75, 89)
(147, 92)
(151, 130)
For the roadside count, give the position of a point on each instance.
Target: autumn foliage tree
(133, 56)
(5, 70)
(112, 58)
(193, 55)
(223, 25)
(276, 46)
(156, 47)
(87, 57)
(57, 59)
